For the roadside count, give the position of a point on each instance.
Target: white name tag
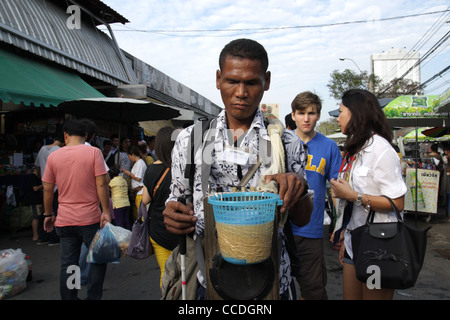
(235, 156)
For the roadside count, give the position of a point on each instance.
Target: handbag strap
(159, 182)
(371, 214)
(142, 212)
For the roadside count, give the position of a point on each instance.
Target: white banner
(427, 190)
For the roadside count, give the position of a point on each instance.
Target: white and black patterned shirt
(225, 174)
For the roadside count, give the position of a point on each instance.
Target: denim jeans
(72, 238)
(84, 266)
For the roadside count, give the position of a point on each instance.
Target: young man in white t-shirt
(137, 176)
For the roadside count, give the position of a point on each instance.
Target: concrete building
(394, 63)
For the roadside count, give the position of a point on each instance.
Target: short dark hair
(434, 147)
(90, 128)
(113, 172)
(107, 143)
(289, 122)
(75, 128)
(134, 150)
(59, 137)
(122, 139)
(245, 49)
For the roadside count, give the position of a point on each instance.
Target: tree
(398, 87)
(348, 79)
(327, 127)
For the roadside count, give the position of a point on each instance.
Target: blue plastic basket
(244, 223)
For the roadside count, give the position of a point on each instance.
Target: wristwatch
(358, 201)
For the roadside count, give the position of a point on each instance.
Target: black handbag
(396, 248)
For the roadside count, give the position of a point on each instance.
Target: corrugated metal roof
(40, 27)
(102, 10)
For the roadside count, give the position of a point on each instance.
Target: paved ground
(434, 279)
(139, 279)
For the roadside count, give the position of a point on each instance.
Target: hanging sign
(427, 190)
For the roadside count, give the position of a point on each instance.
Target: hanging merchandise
(427, 189)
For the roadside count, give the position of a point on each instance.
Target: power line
(435, 54)
(165, 31)
(427, 54)
(430, 80)
(444, 84)
(418, 45)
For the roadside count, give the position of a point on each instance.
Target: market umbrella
(118, 109)
(436, 132)
(121, 110)
(421, 137)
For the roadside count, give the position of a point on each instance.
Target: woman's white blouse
(376, 171)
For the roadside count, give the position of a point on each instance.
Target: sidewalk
(434, 279)
(133, 279)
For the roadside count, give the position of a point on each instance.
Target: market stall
(411, 137)
(418, 111)
(338, 137)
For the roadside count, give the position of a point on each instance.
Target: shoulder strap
(196, 141)
(159, 182)
(371, 214)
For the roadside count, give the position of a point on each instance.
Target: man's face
(107, 148)
(125, 144)
(115, 142)
(242, 83)
(306, 119)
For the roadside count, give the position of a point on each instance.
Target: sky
(304, 40)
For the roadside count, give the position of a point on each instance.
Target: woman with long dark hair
(163, 241)
(370, 169)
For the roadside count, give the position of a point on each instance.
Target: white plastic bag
(122, 235)
(13, 272)
(108, 243)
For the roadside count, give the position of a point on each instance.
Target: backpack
(171, 286)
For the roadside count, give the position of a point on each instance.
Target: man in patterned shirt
(242, 80)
